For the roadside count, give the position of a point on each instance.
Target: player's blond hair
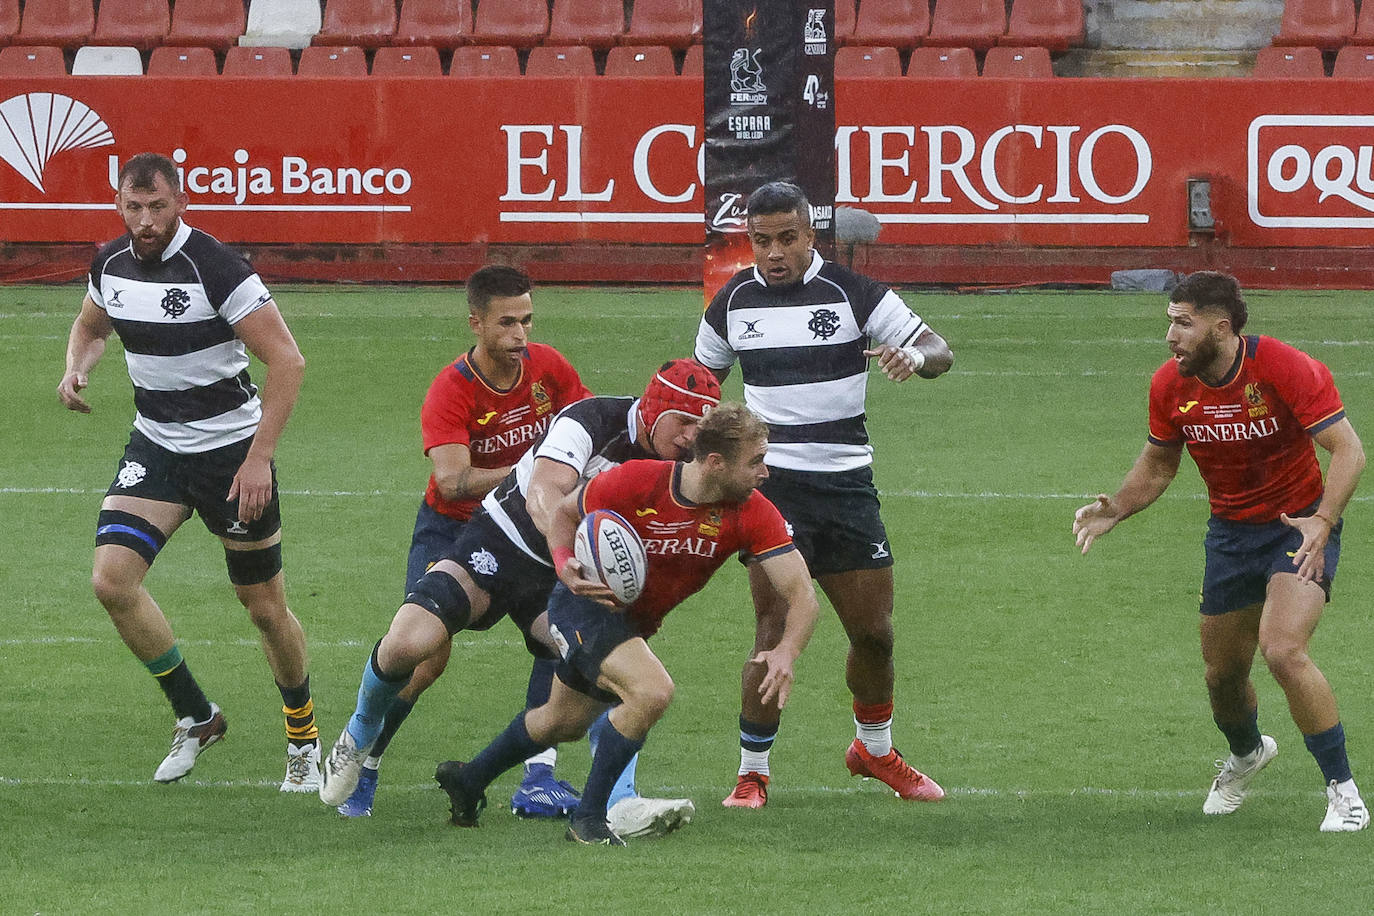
(727, 429)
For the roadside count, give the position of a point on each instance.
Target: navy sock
(613, 752)
(1329, 749)
(541, 682)
(509, 748)
(757, 736)
(1243, 737)
(395, 716)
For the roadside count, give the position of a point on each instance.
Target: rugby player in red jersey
(1248, 408)
(692, 517)
(482, 412)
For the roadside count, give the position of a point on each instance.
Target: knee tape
(252, 567)
(443, 596)
(128, 530)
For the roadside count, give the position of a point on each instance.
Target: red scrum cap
(682, 386)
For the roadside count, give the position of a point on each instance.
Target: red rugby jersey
(685, 542)
(1251, 436)
(497, 425)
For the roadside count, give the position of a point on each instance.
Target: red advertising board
(1068, 162)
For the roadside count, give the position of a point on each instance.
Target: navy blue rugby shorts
(1242, 556)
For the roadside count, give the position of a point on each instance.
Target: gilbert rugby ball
(610, 551)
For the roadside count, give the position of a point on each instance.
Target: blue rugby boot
(540, 795)
(359, 804)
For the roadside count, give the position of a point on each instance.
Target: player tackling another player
(1248, 408)
(691, 517)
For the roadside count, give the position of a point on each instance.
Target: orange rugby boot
(750, 792)
(904, 779)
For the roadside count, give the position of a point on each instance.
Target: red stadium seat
(1018, 63)
(854, 61)
(594, 23)
(902, 24)
(976, 24)
(209, 23)
(1326, 24)
(694, 64)
(170, 60)
(522, 23)
(1364, 26)
(19, 60)
(649, 60)
(440, 23)
(138, 24)
(1289, 63)
(484, 61)
(360, 23)
(1355, 61)
(9, 21)
(548, 61)
(1053, 24)
(66, 23)
(844, 21)
(675, 23)
(339, 60)
(942, 62)
(266, 61)
(407, 61)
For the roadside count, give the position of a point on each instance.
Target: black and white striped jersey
(801, 352)
(591, 436)
(175, 317)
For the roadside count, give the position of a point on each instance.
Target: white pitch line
(700, 791)
(244, 643)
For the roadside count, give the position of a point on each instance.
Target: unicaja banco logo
(37, 126)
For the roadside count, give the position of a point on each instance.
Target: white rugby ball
(611, 552)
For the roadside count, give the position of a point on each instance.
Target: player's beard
(1204, 355)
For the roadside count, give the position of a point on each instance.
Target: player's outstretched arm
(1146, 481)
(267, 337)
(562, 528)
(929, 357)
(85, 346)
(788, 575)
(1342, 476)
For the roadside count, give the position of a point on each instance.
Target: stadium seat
(281, 23)
(360, 23)
(1289, 63)
(207, 23)
(439, 23)
(107, 60)
(675, 23)
(19, 60)
(407, 61)
(854, 61)
(694, 63)
(942, 62)
(648, 60)
(521, 23)
(1018, 63)
(598, 24)
(1325, 24)
(140, 24)
(844, 21)
(266, 61)
(9, 21)
(976, 24)
(1053, 24)
(332, 60)
(549, 61)
(65, 23)
(1364, 26)
(901, 24)
(1355, 61)
(170, 60)
(495, 60)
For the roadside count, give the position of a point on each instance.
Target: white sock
(373, 763)
(549, 757)
(753, 762)
(1347, 788)
(877, 737)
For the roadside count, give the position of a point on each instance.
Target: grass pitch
(1058, 699)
